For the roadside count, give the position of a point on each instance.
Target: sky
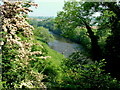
(47, 7)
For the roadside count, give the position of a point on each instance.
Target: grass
(53, 68)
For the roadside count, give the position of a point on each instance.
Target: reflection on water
(63, 45)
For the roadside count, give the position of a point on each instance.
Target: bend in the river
(64, 46)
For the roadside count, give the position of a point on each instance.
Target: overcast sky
(47, 7)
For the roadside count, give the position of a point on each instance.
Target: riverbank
(58, 33)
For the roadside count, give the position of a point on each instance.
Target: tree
(79, 14)
(113, 43)
(110, 19)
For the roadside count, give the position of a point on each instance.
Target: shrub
(82, 74)
(43, 34)
(21, 59)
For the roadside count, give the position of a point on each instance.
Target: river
(64, 46)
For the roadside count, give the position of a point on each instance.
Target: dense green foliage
(43, 34)
(48, 23)
(28, 61)
(102, 41)
(20, 56)
(78, 74)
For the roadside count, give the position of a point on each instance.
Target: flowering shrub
(20, 61)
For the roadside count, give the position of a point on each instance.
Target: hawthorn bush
(22, 62)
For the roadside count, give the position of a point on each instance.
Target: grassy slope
(55, 56)
(53, 67)
(53, 64)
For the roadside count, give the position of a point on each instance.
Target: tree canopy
(81, 14)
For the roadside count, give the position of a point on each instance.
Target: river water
(64, 46)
